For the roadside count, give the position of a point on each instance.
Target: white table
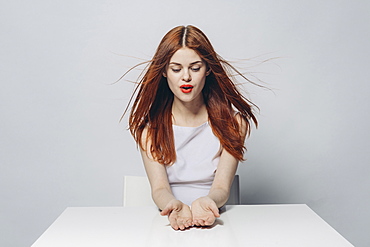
(242, 225)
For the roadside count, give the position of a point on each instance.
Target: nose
(186, 76)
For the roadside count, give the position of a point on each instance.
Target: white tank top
(198, 152)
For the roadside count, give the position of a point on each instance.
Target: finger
(215, 211)
(199, 222)
(175, 226)
(188, 223)
(173, 223)
(181, 226)
(210, 221)
(167, 210)
(183, 222)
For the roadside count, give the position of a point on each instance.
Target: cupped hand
(204, 211)
(179, 215)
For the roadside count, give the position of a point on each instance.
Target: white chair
(234, 197)
(137, 192)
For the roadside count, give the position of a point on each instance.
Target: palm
(203, 217)
(179, 215)
(183, 215)
(203, 212)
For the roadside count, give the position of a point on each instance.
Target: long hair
(152, 106)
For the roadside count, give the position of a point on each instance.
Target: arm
(224, 177)
(178, 213)
(157, 175)
(205, 209)
(226, 170)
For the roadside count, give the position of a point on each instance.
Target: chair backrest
(137, 192)
(234, 197)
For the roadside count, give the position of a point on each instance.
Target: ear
(208, 72)
(164, 74)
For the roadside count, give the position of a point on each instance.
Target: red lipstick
(186, 88)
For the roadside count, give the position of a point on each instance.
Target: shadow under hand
(216, 223)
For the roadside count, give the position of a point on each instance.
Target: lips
(186, 88)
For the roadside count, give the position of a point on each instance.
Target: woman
(190, 122)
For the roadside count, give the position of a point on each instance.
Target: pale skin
(188, 109)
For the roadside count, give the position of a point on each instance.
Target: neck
(189, 114)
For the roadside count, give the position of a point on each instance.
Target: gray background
(61, 143)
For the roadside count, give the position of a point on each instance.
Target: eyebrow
(190, 63)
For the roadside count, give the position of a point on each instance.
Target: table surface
(241, 225)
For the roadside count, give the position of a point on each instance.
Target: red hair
(151, 109)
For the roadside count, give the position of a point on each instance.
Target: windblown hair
(151, 110)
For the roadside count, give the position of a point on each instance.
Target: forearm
(162, 197)
(157, 175)
(219, 196)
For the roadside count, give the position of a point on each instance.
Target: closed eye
(195, 69)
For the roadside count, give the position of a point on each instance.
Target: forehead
(185, 56)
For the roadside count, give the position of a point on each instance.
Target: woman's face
(186, 74)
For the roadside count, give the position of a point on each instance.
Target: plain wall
(61, 143)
